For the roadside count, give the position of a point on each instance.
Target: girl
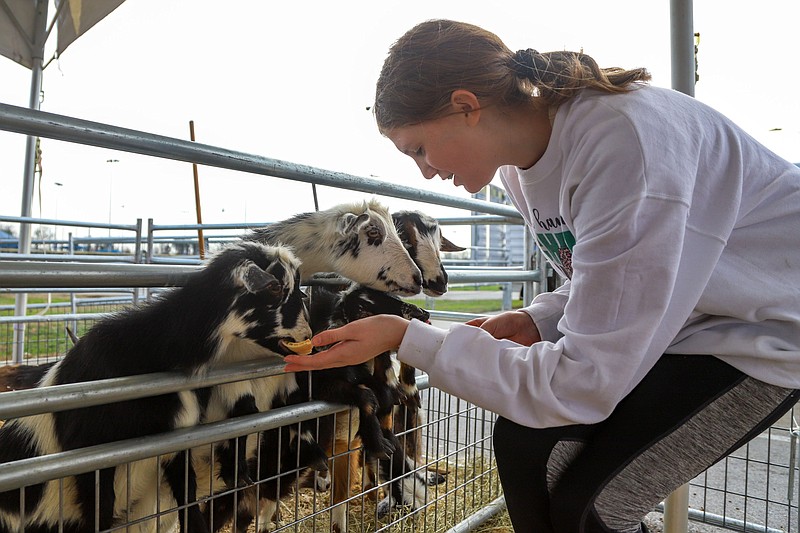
(676, 338)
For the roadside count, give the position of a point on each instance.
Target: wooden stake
(201, 242)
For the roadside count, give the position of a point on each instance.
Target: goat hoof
(383, 452)
(378, 455)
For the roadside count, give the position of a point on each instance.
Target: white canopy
(18, 28)
(24, 31)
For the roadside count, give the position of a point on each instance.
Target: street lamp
(58, 193)
(110, 187)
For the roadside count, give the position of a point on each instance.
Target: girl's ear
(463, 101)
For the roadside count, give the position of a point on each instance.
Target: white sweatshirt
(679, 234)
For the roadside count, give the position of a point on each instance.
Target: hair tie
(529, 64)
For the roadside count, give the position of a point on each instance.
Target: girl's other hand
(515, 326)
(354, 343)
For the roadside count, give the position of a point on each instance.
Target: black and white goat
(245, 304)
(371, 389)
(420, 234)
(423, 239)
(358, 241)
(376, 380)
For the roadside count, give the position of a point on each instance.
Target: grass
(9, 299)
(475, 288)
(44, 339)
(465, 306)
(47, 339)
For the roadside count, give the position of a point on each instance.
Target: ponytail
(558, 76)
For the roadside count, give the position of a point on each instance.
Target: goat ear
(350, 222)
(254, 279)
(447, 246)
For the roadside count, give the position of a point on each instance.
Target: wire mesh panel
(447, 477)
(755, 488)
(52, 320)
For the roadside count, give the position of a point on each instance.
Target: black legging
(689, 412)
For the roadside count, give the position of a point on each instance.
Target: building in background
(8, 241)
(497, 244)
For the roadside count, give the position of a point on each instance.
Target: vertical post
(676, 506)
(34, 102)
(682, 46)
(676, 511)
(528, 264)
(201, 245)
(506, 291)
(110, 198)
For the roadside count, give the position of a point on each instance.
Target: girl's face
(451, 147)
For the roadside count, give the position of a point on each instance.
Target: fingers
(477, 321)
(353, 343)
(318, 361)
(326, 337)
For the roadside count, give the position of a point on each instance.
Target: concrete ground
(655, 523)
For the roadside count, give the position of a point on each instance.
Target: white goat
(358, 241)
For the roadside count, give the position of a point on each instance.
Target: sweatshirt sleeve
(546, 310)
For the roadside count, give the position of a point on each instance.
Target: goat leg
(182, 480)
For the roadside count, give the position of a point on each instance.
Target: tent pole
(21, 302)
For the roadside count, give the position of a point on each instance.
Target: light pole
(110, 188)
(58, 193)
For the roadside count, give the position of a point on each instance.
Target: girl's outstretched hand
(354, 343)
(515, 326)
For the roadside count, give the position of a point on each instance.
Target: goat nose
(435, 287)
(417, 280)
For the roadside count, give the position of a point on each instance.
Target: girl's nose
(428, 172)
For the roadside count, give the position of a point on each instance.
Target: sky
(293, 82)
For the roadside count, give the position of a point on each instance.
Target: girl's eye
(420, 152)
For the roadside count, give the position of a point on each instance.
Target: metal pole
(473, 522)
(676, 506)
(201, 244)
(52, 126)
(21, 301)
(682, 46)
(676, 510)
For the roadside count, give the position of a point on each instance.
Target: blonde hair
(437, 57)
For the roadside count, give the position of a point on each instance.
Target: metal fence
(754, 489)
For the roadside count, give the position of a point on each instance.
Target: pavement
(655, 524)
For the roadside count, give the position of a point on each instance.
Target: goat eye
(373, 233)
